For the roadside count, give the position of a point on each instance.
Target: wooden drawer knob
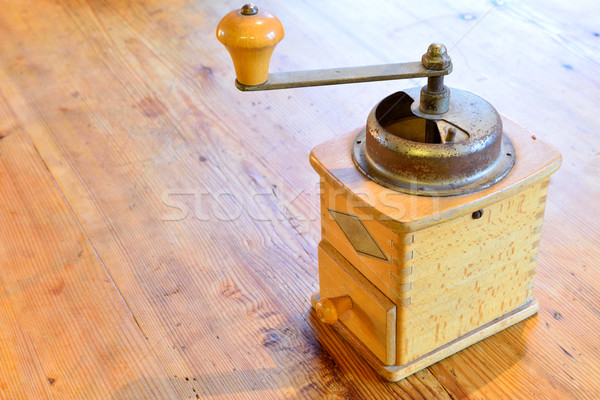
(329, 310)
(250, 35)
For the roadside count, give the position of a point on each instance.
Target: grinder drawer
(372, 317)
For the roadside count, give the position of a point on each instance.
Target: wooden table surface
(159, 228)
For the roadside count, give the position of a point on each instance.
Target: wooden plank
(66, 330)
(239, 343)
(132, 103)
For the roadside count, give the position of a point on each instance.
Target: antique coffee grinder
(431, 215)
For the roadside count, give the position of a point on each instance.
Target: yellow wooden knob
(250, 35)
(329, 310)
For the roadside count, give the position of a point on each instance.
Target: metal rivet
(451, 134)
(477, 214)
(249, 9)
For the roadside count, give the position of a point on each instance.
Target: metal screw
(477, 214)
(249, 9)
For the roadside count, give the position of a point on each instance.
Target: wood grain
(202, 206)
(66, 330)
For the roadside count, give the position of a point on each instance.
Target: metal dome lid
(460, 151)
